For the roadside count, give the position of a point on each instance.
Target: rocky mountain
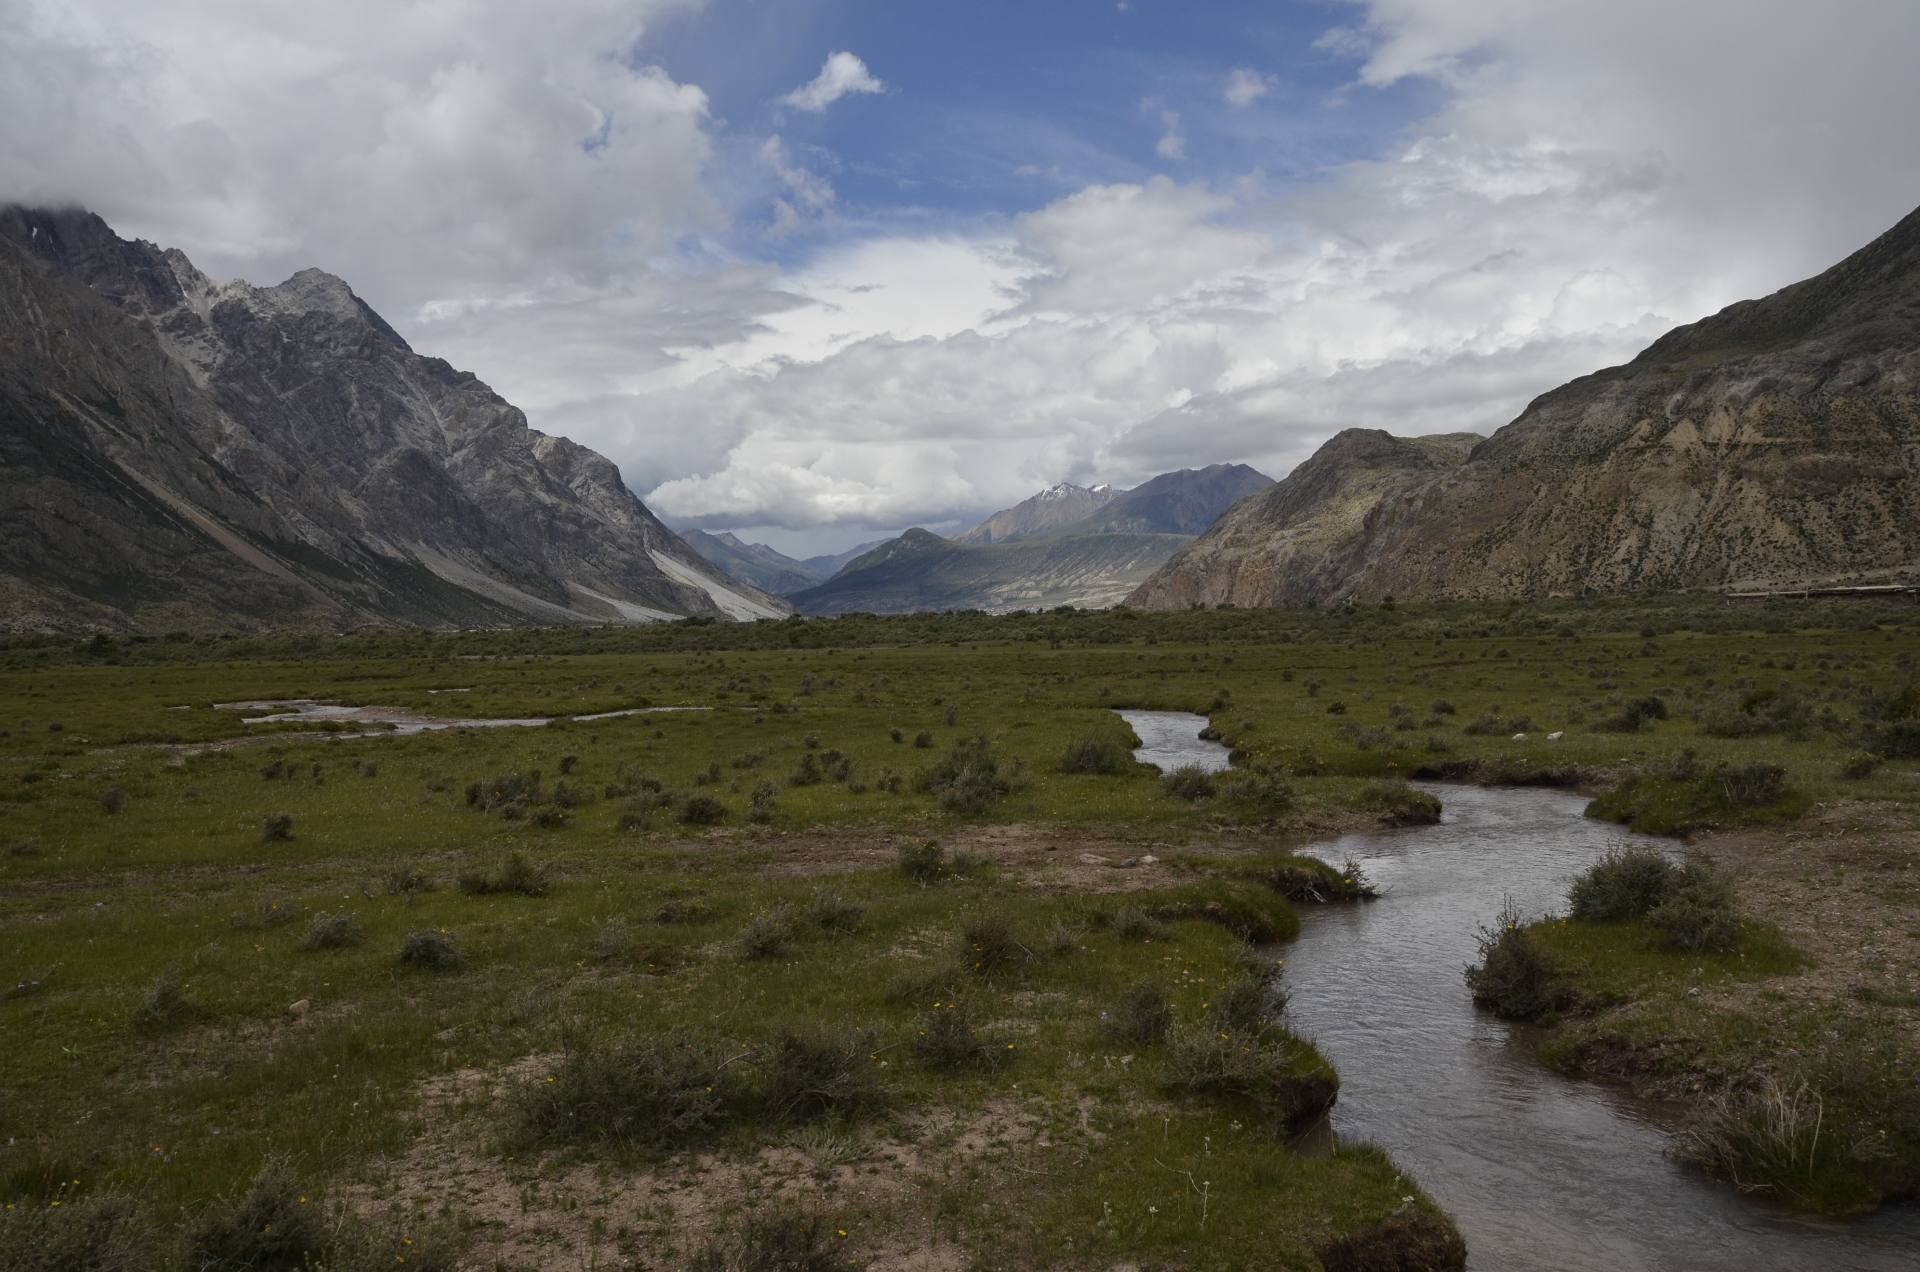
(176, 452)
(1297, 540)
(754, 563)
(1775, 444)
(921, 571)
(825, 567)
(1055, 508)
(1184, 502)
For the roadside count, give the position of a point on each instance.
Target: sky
(819, 270)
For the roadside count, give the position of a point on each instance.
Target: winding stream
(1538, 1171)
(397, 722)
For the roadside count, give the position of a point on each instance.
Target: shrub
(988, 945)
(779, 1240)
(923, 740)
(406, 879)
(923, 862)
(831, 912)
(1093, 754)
(1412, 1238)
(269, 1226)
(1259, 790)
(1512, 979)
(1246, 1005)
(516, 874)
(767, 935)
(167, 1004)
(276, 828)
(1189, 782)
(1896, 740)
(431, 951)
(1697, 915)
(808, 774)
(761, 806)
(652, 1095)
(1623, 885)
(509, 794)
(815, 1073)
(679, 911)
(1131, 923)
(945, 1039)
(896, 735)
(1249, 911)
(1399, 804)
(702, 810)
(969, 780)
(1635, 716)
(1142, 1014)
(1280, 1075)
(113, 801)
(94, 1232)
(1859, 765)
(333, 932)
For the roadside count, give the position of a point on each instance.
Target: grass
(108, 897)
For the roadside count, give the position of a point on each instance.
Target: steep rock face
(1774, 444)
(921, 571)
(1184, 502)
(181, 451)
(755, 563)
(1302, 536)
(1055, 508)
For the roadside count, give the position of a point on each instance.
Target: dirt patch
(878, 1187)
(1844, 886)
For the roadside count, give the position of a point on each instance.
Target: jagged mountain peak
(178, 450)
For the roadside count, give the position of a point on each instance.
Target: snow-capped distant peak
(1058, 490)
(1101, 489)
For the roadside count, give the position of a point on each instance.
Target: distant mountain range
(1774, 445)
(1067, 545)
(767, 568)
(176, 452)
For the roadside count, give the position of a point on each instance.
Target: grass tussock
(92, 1232)
(1096, 754)
(1142, 1014)
(1688, 906)
(333, 932)
(1189, 782)
(945, 1039)
(1280, 1076)
(647, 1096)
(1415, 1238)
(516, 875)
(431, 951)
(780, 1240)
(971, 778)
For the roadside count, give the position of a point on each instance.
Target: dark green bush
(1095, 754)
(654, 1095)
(1512, 979)
(93, 1232)
(987, 944)
(431, 951)
(270, 1226)
(333, 932)
(923, 862)
(702, 810)
(946, 1039)
(1189, 782)
(1698, 915)
(1623, 885)
(970, 779)
(820, 1073)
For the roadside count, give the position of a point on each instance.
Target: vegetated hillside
(176, 452)
(755, 563)
(1055, 508)
(921, 571)
(1298, 539)
(1774, 444)
(1183, 502)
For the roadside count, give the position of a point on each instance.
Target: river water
(1538, 1171)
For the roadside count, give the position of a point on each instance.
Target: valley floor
(850, 967)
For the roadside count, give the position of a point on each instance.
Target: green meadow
(836, 963)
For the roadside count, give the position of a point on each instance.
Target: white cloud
(1245, 87)
(420, 151)
(1173, 137)
(841, 74)
(518, 191)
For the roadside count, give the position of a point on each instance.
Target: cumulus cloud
(518, 190)
(1245, 87)
(841, 74)
(451, 149)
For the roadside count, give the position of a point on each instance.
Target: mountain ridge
(180, 451)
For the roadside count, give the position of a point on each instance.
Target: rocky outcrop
(1302, 537)
(1773, 445)
(180, 452)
